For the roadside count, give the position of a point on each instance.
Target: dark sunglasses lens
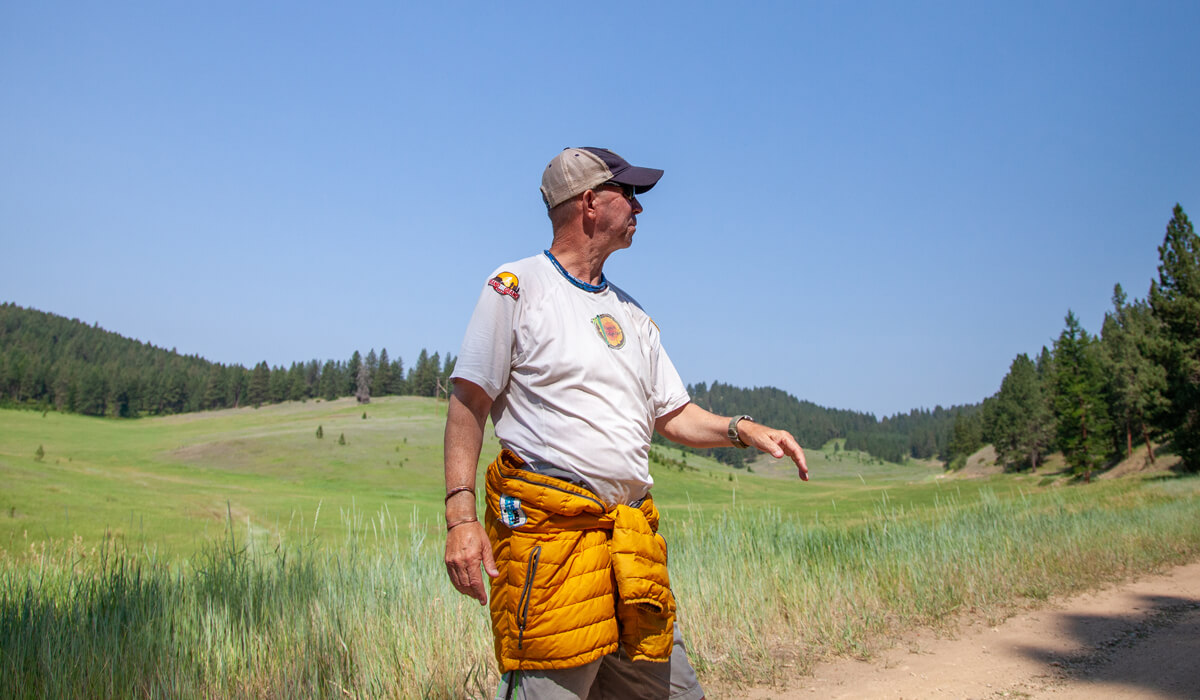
(627, 191)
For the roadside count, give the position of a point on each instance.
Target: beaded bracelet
(459, 489)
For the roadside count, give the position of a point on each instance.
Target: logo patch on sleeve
(511, 513)
(506, 284)
(610, 331)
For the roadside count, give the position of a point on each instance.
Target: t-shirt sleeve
(669, 390)
(486, 355)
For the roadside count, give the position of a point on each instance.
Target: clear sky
(872, 206)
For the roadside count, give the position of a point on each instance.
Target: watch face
(734, 437)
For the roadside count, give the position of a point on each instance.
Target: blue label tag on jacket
(511, 513)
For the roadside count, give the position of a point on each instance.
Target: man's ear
(588, 200)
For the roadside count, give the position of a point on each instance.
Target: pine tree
(422, 379)
(1079, 406)
(1021, 416)
(330, 381)
(91, 392)
(297, 384)
(351, 376)
(259, 385)
(381, 382)
(399, 386)
(278, 385)
(1136, 383)
(966, 438)
(372, 364)
(238, 377)
(1175, 299)
(312, 378)
(215, 388)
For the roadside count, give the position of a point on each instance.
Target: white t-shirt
(577, 377)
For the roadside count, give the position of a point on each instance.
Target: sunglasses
(628, 191)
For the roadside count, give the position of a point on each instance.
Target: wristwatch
(734, 437)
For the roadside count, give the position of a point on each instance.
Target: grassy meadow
(235, 554)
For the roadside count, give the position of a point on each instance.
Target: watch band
(734, 437)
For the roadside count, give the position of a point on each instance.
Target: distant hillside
(921, 433)
(49, 361)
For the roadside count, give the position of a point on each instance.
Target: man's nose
(637, 206)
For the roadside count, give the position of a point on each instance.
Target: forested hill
(921, 433)
(49, 361)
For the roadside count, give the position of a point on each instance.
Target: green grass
(807, 591)
(166, 482)
(232, 554)
(368, 614)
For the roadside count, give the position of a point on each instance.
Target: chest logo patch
(506, 284)
(610, 331)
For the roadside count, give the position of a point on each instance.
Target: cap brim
(642, 179)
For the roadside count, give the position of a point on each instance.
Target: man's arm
(695, 427)
(467, 544)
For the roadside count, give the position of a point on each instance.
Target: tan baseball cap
(578, 169)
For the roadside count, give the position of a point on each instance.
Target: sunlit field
(234, 553)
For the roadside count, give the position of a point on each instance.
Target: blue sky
(873, 206)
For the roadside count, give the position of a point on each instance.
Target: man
(575, 379)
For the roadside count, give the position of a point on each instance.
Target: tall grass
(370, 617)
(764, 595)
(762, 592)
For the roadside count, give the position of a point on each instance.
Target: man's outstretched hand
(777, 443)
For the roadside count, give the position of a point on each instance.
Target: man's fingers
(489, 563)
(780, 443)
(476, 589)
(796, 452)
(466, 548)
(466, 580)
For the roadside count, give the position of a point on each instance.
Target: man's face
(619, 208)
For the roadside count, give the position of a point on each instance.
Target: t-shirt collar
(593, 288)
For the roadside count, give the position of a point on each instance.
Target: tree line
(921, 433)
(49, 361)
(1096, 397)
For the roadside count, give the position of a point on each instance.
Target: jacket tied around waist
(578, 579)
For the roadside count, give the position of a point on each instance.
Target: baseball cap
(578, 169)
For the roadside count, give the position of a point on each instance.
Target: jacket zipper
(526, 594)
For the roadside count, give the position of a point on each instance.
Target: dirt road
(1137, 640)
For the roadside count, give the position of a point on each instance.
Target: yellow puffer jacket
(576, 578)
